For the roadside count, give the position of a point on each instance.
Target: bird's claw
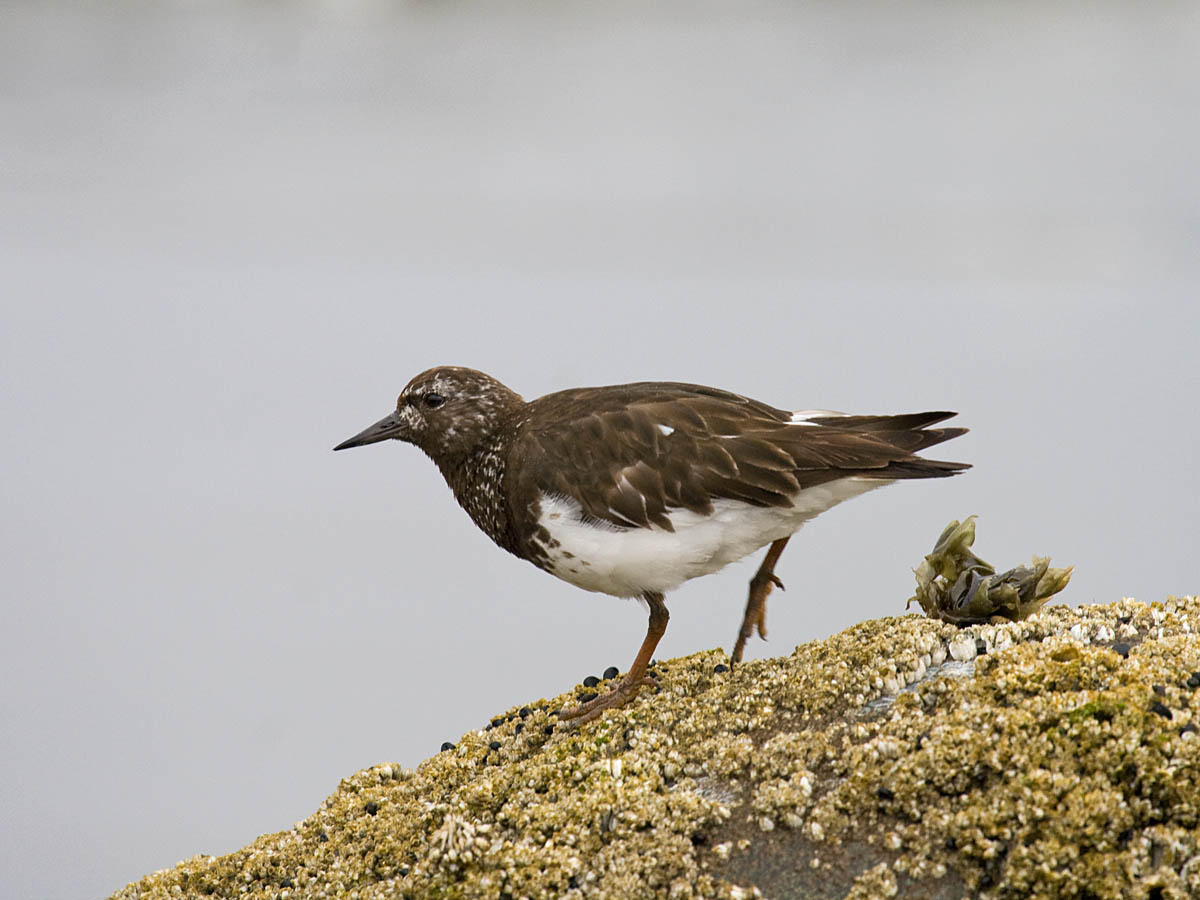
(617, 697)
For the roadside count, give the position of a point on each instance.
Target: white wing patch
(627, 562)
(803, 416)
(666, 429)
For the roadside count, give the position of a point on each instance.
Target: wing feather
(629, 455)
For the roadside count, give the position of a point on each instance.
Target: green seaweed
(956, 586)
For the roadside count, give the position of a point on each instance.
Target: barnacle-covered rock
(1056, 756)
(955, 585)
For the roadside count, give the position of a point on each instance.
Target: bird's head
(445, 411)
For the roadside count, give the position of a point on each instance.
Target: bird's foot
(770, 578)
(755, 618)
(618, 696)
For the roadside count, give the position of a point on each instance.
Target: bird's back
(629, 454)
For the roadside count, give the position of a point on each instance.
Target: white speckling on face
(626, 562)
(411, 418)
(666, 429)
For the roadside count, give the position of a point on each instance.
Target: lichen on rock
(1051, 757)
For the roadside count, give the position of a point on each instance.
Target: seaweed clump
(956, 586)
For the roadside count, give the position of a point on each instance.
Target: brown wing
(631, 454)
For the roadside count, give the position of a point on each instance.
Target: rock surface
(1051, 757)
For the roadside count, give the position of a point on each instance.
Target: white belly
(627, 562)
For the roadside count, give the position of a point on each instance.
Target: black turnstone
(633, 489)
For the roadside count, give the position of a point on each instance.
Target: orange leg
(636, 677)
(756, 605)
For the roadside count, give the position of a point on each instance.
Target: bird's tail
(908, 432)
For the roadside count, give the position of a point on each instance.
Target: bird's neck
(478, 482)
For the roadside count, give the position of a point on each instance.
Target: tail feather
(902, 422)
(907, 432)
(915, 441)
(915, 467)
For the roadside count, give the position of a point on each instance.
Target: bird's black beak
(388, 427)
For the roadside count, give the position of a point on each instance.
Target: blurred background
(231, 232)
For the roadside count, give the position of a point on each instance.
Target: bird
(633, 489)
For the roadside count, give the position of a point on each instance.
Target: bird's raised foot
(761, 584)
(617, 697)
(762, 580)
(755, 618)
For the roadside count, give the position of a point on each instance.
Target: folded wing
(628, 458)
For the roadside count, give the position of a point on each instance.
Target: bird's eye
(433, 401)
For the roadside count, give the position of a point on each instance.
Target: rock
(796, 777)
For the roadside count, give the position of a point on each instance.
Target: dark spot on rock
(446, 745)
(611, 672)
(496, 723)
(1194, 680)
(520, 727)
(1160, 709)
(1189, 727)
(372, 807)
(884, 793)
(524, 712)
(1124, 620)
(573, 882)
(720, 667)
(1122, 649)
(980, 646)
(1159, 689)
(1156, 893)
(549, 729)
(404, 870)
(1125, 773)
(699, 839)
(286, 883)
(951, 843)
(589, 696)
(591, 681)
(322, 838)
(494, 745)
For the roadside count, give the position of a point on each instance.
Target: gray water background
(229, 234)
